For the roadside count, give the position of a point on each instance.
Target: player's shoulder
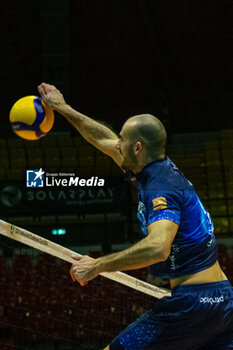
(160, 166)
(167, 177)
(162, 171)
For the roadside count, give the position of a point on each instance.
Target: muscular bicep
(162, 233)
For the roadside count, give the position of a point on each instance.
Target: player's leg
(224, 342)
(192, 318)
(160, 328)
(135, 336)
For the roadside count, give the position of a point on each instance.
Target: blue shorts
(197, 316)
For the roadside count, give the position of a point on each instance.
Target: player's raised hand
(51, 96)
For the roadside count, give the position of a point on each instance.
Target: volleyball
(30, 118)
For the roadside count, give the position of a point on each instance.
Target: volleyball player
(179, 240)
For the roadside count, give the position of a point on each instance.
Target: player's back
(165, 193)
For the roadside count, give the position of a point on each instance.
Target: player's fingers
(47, 87)
(74, 277)
(41, 91)
(83, 283)
(72, 274)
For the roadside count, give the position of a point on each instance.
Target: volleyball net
(42, 308)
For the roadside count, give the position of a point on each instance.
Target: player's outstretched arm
(94, 132)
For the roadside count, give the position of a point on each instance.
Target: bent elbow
(164, 254)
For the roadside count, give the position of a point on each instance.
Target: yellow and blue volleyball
(30, 118)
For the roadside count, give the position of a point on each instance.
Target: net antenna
(32, 240)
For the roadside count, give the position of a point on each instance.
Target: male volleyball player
(179, 241)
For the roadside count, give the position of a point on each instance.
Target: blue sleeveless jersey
(165, 193)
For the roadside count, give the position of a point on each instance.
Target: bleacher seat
(5, 164)
(80, 142)
(231, 224)
(221, 225)
(19, 163)
(69, 158)
(218, 207)
(65, 141)
(4, 154)
(227, 134)
(103, 165)
(21, 260)
(2, 174)
(15, 142)
(47, 142)
(3, 143)
(34, 152)
(15, 174)
(35, 162)
(86, 161)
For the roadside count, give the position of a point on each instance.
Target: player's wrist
(99, 266)
(62, 108)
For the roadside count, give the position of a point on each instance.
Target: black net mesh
(42, 308)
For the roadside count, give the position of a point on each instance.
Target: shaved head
(149, 131)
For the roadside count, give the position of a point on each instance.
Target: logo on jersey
(142, 217)
(159, 203)
(175, 249)
(212, 301)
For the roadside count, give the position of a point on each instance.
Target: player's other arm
(154, 248)
(96, 133)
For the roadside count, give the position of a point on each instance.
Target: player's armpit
(109, 148)
(157, 281)
(163, 232)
